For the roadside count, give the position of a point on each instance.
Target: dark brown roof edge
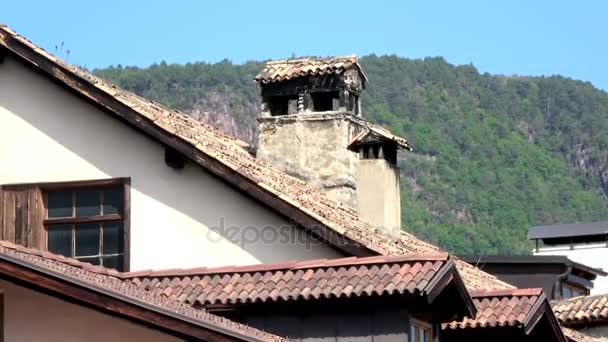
(531, 259)
(123, 305)
(447, 275)
(542, 310)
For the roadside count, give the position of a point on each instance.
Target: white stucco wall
(48, 135)
(31, 316)
(594, 255)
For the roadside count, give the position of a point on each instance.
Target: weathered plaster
(378, 194)
(312, 147)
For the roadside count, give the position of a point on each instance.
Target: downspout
(556, 287)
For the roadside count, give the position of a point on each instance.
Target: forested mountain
(493, 156)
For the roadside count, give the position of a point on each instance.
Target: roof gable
(519, 308)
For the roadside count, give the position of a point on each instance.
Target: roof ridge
(536, 291)
(289, 265)
(311, 59)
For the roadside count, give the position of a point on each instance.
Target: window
(571, 291)
(324, 101)
(86, 221)
(420, 331)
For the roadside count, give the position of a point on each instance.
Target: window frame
(420, 325)
(74, 186)
(571, 288)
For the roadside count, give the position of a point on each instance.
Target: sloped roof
(226, 157)
(568, 230)
(585, 270)
(501, 308)
(287, 69)
(374, 132)
(306, 280)
(582, 310)
(107, 283)
(518, 308)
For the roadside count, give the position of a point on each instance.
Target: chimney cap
(287, 69)
(374, 134)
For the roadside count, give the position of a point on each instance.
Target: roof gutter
(560, 278)
(127, 299)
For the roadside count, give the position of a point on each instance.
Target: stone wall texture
(313, 148)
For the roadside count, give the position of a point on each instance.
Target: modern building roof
(103, 288)
(226, 157)
(568, 230)
(287, 69)
(480, 260)
(582, 310)
(519, 308)
(419, 275)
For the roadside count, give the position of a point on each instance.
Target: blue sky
(524, 37)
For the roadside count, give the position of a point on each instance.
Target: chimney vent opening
(282, 105)
(325, 101)
(387, 152)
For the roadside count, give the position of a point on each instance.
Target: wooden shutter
(22, 215)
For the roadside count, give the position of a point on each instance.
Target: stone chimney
(310, 127)
(378, 196)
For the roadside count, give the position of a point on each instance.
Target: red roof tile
(283, 70)
(501, 308)
(103, 280)
(348, 277)
(225, 156)
(582, 310)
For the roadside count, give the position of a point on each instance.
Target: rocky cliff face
(228, 113)
(593, 167)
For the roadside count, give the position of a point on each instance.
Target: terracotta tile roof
(581, 310)
(307, 280)
(577, 336)
(501, 308)
(287, 69)
(104, 280)
(226, 157)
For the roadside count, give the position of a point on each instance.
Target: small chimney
(377, 179)
(306, 121)
(311, 127)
